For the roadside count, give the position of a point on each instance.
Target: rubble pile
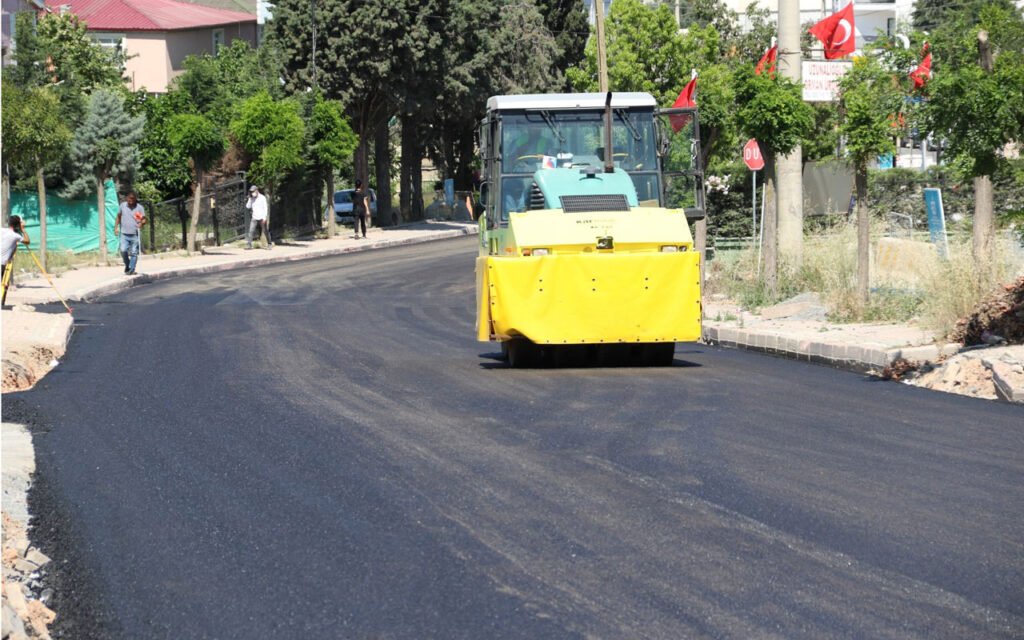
(997, 320)
(25, 614)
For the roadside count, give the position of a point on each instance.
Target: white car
(343, 206)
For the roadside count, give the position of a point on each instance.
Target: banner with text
(821, 78)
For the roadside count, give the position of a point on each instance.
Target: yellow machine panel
(591, 298)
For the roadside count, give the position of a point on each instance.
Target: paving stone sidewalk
(800, 330)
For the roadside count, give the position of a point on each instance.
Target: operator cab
(524, 137)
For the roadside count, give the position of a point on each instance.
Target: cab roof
(563, 101)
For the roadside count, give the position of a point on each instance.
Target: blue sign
(936, 220)
(449, 192)
(885, 161)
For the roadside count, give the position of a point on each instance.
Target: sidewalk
(799, 329)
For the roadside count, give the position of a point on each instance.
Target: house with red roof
(157, 35)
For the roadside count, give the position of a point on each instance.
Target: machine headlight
(541, 252)
(669, 248)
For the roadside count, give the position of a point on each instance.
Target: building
(157, 35)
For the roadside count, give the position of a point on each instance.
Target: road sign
(752, 155)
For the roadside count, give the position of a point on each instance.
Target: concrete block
(710, 333)
(925, 353)
(950, 348)
(771, 343)
(24, 566)
(20, 545)
(37, 557)
(13, 627)
(16, 600)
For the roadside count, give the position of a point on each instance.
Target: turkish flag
(685, 99)
(836, 33)
(767, 59)
(923, 72)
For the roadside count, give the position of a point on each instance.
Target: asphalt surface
(321, 449)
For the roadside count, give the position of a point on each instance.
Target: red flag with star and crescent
(686, 99)
(836, 33)
(923, 72)
(767, 62)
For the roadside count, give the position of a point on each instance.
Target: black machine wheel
(522, 353)
(659, 354)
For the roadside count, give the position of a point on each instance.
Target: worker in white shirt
(260, 217)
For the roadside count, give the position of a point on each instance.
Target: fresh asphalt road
(321, 449)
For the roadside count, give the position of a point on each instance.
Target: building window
(890, 26)
(108, 40)
(218, 40)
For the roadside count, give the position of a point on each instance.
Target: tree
(272, 131)
(871, 98)
(772, 111)
(331, 143)
(34, 136)
(216, 84)
(163, 164)
(567, 22)
(104, 146)
(930, 15)
(977, 102)
(202, 142)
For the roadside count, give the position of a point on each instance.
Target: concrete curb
(871, 358)
(88, 294)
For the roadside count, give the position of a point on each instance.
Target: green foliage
(215, 84)
(870, 98)
(273, 132)
(331, 140)
(645, 52)
(105, 144)
(567, 21)
(821, 140)
(771, 110)
(34, 133)
(80, 63)
(197, 138)
(162, 164)
(29, 68)
(930, 15)
(978, 112)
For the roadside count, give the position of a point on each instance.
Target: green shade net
(71, 225)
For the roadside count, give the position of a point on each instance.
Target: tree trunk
(770, 226)
(362, 160)
(860, 181)
(101, 198)
(331, 228)
(405, 173)
(417, 182)
(42, 215)
(382, 156)
(197, 194)
(984, 230)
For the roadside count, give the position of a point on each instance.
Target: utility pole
(789, 168)
(602, 59)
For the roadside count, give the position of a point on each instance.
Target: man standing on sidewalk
(9, 239)
(131, 217)
(260, 216)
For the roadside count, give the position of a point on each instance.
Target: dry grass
(944, 292)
